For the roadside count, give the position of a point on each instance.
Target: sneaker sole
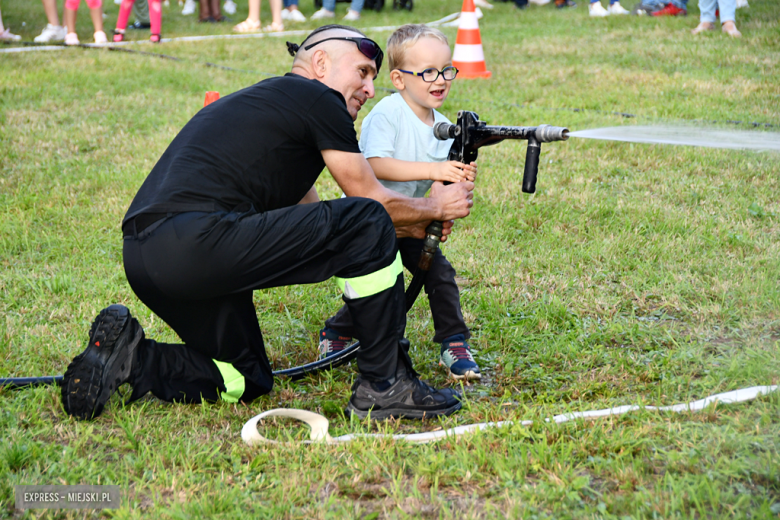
(468, 376)
(89, 382)
(401, 413)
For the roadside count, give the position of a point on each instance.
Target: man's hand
(418, 230)
(452, 171)
(454, 201)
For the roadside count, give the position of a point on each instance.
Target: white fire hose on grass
(319, 424)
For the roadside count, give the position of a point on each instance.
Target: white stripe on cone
(468, 21)
(466, 53)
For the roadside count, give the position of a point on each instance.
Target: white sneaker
(485, 4)
(72, 39)
(100, 37)
(539, 2)
(296, 16)
(742, 3)
(117, 2)
(285, 14)
(51, 33)
(596, 9)
(352, 16)
(189, 7)
(616, 8)
(230, 7)
(322, 13)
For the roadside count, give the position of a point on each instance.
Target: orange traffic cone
(468, 57)
(211, 96)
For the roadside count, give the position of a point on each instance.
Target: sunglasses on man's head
(368, 47)
(431, 75)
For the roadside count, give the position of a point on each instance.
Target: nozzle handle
(443, 131)
(531, 165)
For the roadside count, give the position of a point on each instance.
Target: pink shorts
(73, 5)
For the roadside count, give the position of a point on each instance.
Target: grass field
(637, 274)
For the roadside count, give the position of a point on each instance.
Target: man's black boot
(407, 396)
(95, 374)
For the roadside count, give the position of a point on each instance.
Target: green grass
(637, 274)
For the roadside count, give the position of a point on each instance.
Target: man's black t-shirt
(260, 145)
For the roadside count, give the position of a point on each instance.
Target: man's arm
(311, 196)
(354, 175)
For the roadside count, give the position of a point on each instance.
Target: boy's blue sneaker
(456, 355)
(332, 342)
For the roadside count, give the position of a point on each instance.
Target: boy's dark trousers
(440, 287)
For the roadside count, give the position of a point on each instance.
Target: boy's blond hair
(406, 36)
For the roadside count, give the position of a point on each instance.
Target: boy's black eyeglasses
(431, 75)
(369, 48)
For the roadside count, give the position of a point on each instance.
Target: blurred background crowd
(147, 15)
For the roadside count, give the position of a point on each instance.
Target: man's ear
(320, 63)
(397, 77)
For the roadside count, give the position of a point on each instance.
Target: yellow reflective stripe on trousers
(234, 382)
(373, 283)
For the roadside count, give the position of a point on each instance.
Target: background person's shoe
(139, 25)
(406, 397)
(331, 342)
(72, 39)
(51, 33)
(596, 9)
(671, 10)
(730, 28)
(322, 13)
(352, 16)
(95, 374)
(189, 7)
(296, 16)
(616, 8)
(703, 26)
(561, 4)
(229, 7)
(456, 356)
(7, 36)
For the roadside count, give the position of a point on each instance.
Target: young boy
(397, 139)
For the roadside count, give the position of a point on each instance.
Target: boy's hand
(452, 171)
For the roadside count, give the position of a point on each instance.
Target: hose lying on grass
(319, 424)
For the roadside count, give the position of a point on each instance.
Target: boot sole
(399, 413)
(470, 375)
(89, 381)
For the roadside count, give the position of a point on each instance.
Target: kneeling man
(230, 208)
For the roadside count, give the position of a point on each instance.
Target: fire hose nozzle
(547, 133)
(443, 131)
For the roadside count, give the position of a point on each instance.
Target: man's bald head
(333, 47)
(331, 56)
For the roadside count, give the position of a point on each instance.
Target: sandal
(247, 26)
(703, 26)
(155, 38)
(119, 35)
(274, 27)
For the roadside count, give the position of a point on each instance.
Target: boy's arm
(353, 174)
(389, 169)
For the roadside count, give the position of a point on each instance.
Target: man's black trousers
(197, 271)
(440, 286)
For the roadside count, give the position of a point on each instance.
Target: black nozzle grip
(531, 165)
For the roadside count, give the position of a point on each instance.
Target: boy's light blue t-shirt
(393, 130)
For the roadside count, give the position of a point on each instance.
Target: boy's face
(426, 53)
